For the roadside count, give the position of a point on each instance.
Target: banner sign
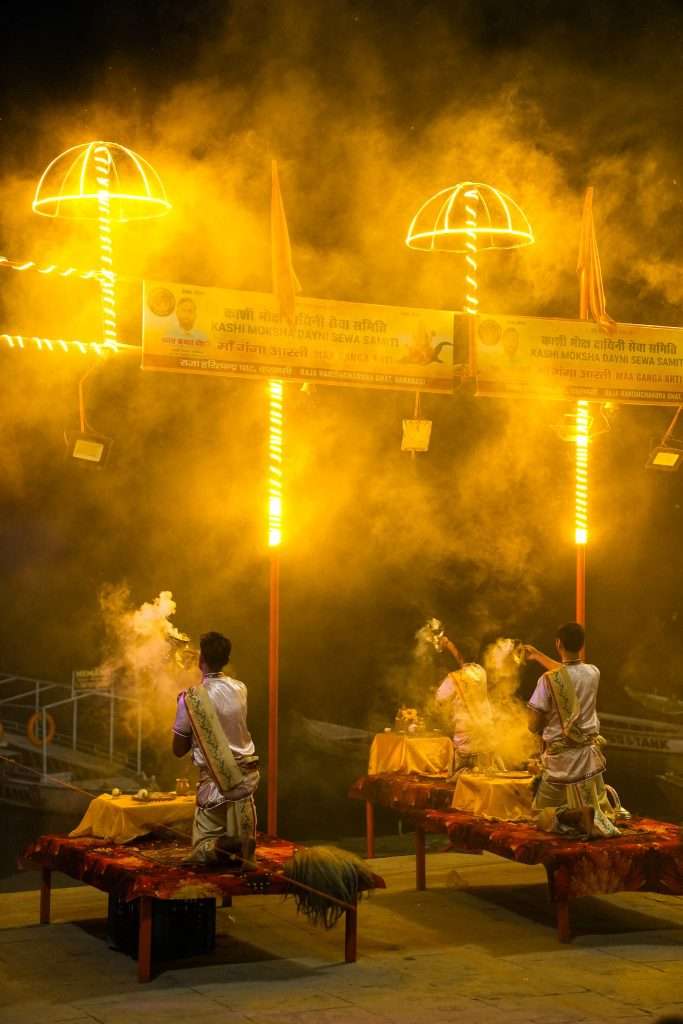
(92, 679)
(213, 331)
(540, 357)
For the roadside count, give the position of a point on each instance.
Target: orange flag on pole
(285, 282)
(590, 271)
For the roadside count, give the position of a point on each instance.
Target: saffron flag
(285, 282)
(589, 266)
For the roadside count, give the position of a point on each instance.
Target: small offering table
(507, 796)
(400, 752)
(122, 818)
(152, 870)
(404, 756)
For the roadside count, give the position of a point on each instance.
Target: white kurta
(578, 763)
(464, 726)
(229, 697)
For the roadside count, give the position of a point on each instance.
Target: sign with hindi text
(541, 357)
(213, 331)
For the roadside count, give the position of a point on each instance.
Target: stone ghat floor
(479, 946)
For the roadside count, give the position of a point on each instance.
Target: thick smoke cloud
(368, 111)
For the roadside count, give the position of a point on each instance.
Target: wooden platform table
(152, 869)
(646, 857)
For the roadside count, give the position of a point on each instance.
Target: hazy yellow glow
(443, 222)
(581, 496)
(275, 440)
(70, 186)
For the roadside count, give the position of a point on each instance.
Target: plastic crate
(180, 928)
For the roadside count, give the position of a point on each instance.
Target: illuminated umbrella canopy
(469, 218)
(73, 185)
(109, 183)
(447, 221)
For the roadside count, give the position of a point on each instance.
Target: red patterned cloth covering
(152, 867)
(647, 857)
(400, 792)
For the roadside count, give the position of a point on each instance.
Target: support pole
(273, 689)
(107, 278)
(581, 547)
(145, 939)
(275, 445)
(111, 725)
(581, 584)
(45, 893)
(370, 828)
(420, 859)
(351, 934)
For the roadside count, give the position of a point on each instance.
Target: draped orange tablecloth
(506, 795)
(397, 752)
(121, 818)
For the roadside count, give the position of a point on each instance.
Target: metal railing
(34, 697)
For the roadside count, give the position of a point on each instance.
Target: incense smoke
(368, 113)
(146, 652)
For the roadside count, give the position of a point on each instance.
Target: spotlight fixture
(86, 448)
(665, 456)
(668, 454)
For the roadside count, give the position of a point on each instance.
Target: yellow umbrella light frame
(468, 218)
(110, 183)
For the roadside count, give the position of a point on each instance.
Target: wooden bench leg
(351, 935)
(145, 939)
(370, 828)
(45, 893)
(420, 860)
(564, 930)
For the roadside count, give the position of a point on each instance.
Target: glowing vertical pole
(581, 477)
(471, 304)
(581, 507)
(107, 277)
(275, 439)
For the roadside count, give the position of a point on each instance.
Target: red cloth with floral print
(646, 857)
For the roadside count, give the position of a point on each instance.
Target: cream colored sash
(209, 734)
(567, 704)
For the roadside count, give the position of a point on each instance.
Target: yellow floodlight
(662, 457)
(468, 218)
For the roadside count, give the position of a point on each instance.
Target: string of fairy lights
(275, 446)
(107, 278)
(581, 473)
(471, 305)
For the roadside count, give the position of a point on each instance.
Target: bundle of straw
(330, 872)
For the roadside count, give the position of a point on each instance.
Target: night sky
(369, 107)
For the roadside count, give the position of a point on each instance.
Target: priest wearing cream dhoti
(211, 721)
(571, 797)
(465, 692)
